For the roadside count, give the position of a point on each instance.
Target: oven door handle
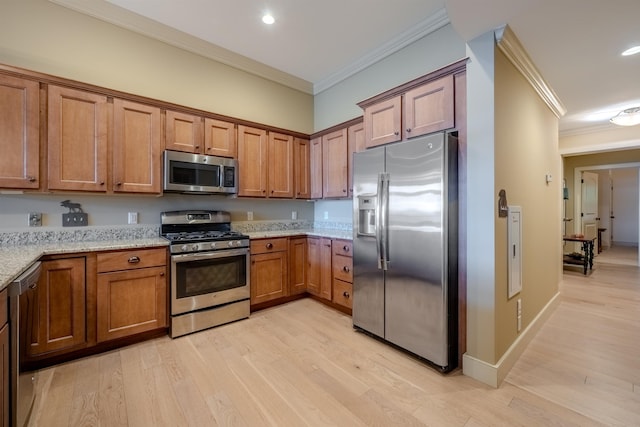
(209, 255)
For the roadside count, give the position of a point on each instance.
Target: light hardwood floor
(302, 364)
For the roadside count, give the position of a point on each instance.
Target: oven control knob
(230, 243)
(213, 245)
(184, 248)
(194, 247)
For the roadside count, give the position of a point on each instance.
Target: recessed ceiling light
(268, 19)
(631, 51)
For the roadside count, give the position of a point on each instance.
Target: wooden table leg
(585, 261)
(591, 255)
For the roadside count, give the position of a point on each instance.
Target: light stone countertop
(16, 258)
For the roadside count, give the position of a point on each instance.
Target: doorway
(618, 209)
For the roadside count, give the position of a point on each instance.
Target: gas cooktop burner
(200, 231)
(189, 236)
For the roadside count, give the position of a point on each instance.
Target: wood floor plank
(302, 364)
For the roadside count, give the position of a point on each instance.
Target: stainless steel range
(209, 270)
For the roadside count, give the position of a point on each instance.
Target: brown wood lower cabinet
(84, 302)
(55, 312)
(131, 301)
(297, 265)
(319, 264)
(269, 270)
(4, 360)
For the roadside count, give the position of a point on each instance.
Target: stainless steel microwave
(199, 174)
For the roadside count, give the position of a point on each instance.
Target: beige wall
(42, 36)
(526, 149)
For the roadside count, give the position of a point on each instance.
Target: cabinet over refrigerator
(405, 212)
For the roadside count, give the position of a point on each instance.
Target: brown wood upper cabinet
(136, 148)
(355, 144)
(77, 140)
(420, 110)
(334, 164)
(194, 134)
(315, 171)
(19, 133)
(265, 163)
(302, 168)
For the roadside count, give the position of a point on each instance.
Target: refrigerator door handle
(384, 221)
(379, 221)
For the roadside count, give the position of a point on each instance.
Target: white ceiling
(575, 44)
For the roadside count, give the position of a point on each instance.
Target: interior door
(589, 211)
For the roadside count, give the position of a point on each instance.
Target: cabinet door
(55, 312)
(355, 144)
(382, 122)
(325, 268)
(4, 375)
(319, 267)
(131, 301)
(269, 278)
(280, 166)
(429, 108)
(183, 132)
(252, 162)
(136, 148)
(77, 140)
(19, 133)
(301, 168)
(220, 138)
(297, 265)
(334, 164)
(315, 160)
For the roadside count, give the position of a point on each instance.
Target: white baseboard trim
(494, 374)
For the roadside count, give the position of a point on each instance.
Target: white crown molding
(509, 44)
(118, 16)
(436, 21)
(602, 127)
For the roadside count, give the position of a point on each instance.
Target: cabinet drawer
(130, 259)
(343, 247)
(342, 293)
(262, 246)
(343, 268)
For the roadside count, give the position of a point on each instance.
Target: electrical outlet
(326, 215)
(35, 219)
(294, 215)
(133, 217)
(249, 215)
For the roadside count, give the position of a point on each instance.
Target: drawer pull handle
(346, 269)
(134, 260)
(269, 245)
(346, 294)
(345, 248)
(31, 178)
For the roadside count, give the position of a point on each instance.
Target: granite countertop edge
(16, 259)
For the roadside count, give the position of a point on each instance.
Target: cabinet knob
(162, 274)
(408, 129)
(31, 178)
(101, 182)
(396, 133)
(197, 147)
(269, 245)
(346, 294)
(345, 248)
(134, 260)
(346, 269)
(118, 184)
(344, 190)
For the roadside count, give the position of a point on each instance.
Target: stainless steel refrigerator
(405, 212)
